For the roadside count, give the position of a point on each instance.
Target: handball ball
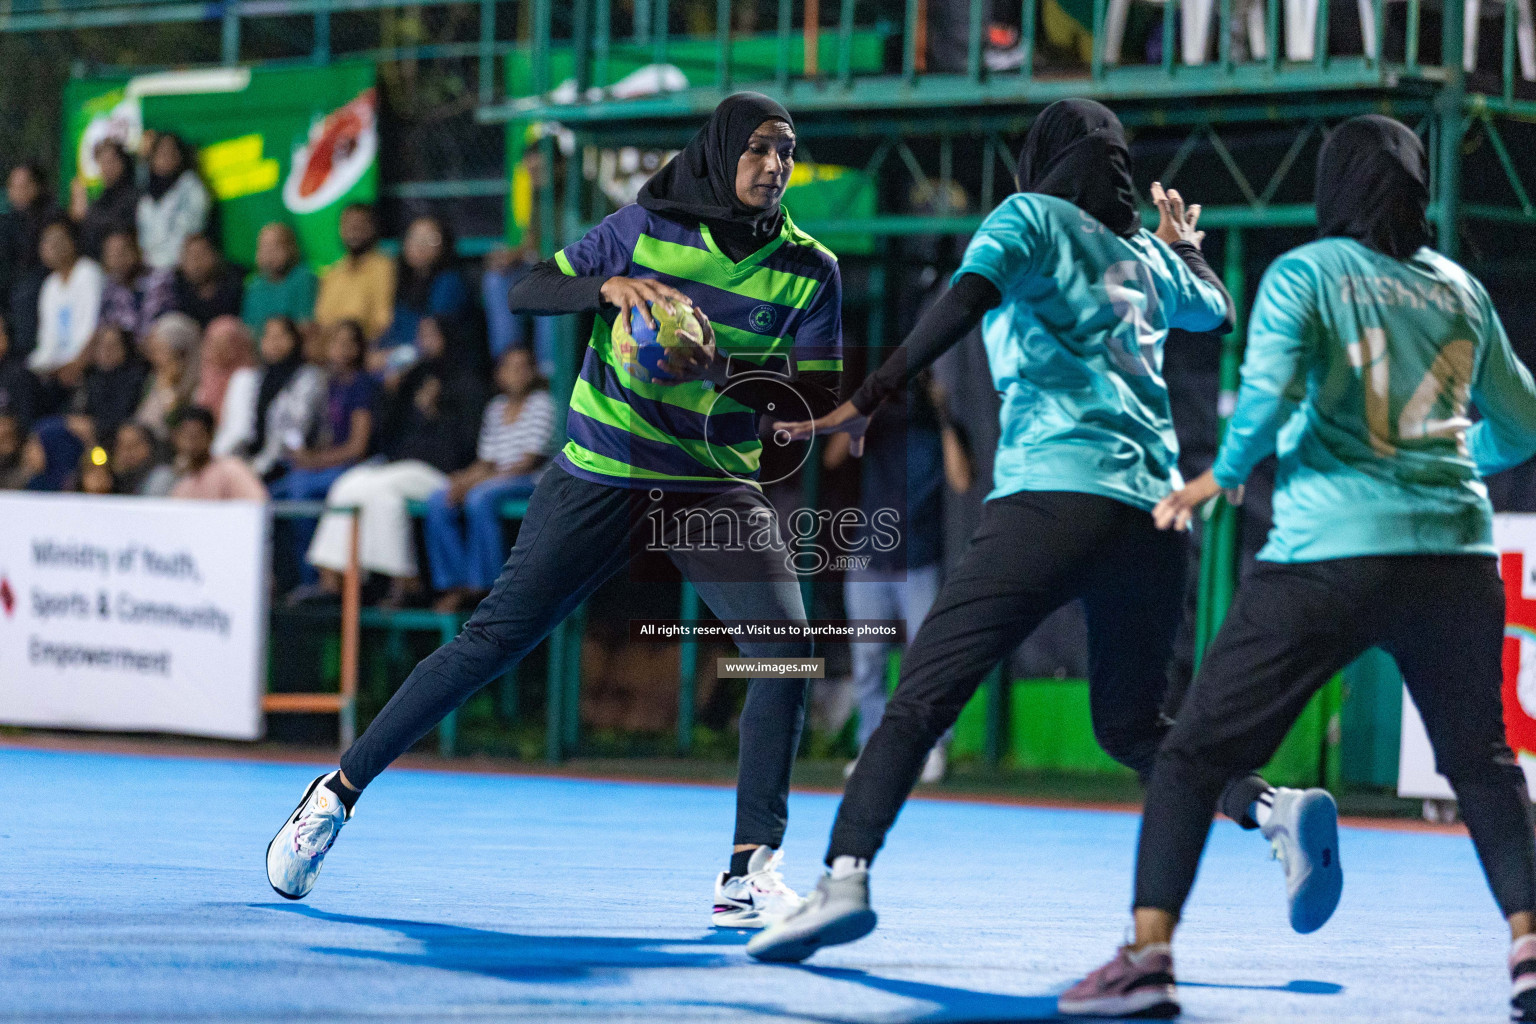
(642, 350)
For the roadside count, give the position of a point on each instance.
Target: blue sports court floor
(132, 888)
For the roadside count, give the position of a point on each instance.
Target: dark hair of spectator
(193, 414)
(131, 235)
(364, 207)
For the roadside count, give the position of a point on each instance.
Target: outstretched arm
(956, 314)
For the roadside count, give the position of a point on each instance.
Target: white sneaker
(837, 912)
(295, 854)
(757, 899)
(936, 767)
(1303, 830)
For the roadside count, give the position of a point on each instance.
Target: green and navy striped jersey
(1359, 373)
(782, 302)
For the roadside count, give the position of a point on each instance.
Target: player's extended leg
(741, 581)
(1450, 650)
(575, 535)
(1021, 565)
(1289, 630)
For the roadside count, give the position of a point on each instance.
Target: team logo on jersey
(761, 318)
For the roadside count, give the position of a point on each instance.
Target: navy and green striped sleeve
(605, 251)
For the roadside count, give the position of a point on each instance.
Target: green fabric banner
(288, 145)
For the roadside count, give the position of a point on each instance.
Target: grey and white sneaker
(295, 854)
(1303, 830)
(837, 912)
(756, 899)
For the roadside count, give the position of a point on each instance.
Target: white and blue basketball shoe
(1303, 830)
(295, 854)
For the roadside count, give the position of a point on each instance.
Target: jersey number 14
(1448, 380)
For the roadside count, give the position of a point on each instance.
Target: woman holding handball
(644, 447)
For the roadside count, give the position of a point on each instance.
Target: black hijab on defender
(700, 182)
(1076, 150)
(1373, 186)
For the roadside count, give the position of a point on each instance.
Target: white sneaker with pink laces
(1136, 983)
(756, 899)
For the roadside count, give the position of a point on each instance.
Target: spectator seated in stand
(94, 474)
(274, 407)
(427, 431)
(21, 266)
(203, 477)
(172, 351)
(14, 473)
(109, 396)
(281, 285)
(429, 285)
(206, 286)
(346, 431)
(17, 385)
(361, 285)
(50, 456)
(115, 207)
(227, 348)
(465, 545)
(136, 464)
(175, 204)
(67, 310)
(133, 296)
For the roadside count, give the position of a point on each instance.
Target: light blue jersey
(1076, 349)
(1359, 372)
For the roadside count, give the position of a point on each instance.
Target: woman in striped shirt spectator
(463, 526)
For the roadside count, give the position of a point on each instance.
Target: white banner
(136, 614)
(1515, 537)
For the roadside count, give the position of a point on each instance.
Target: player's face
(763, 170)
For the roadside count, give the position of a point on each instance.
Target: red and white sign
(1515, 537)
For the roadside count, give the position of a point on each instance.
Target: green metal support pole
(1218, 550)
(554, 694)
(571, 669)
(996, 690)
(229, 49)
(1450, 114)
(320, 52)
(487, 74)
(687, 672)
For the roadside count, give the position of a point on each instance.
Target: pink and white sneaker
(759, 898)
(1133, 984)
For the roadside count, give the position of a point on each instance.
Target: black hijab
(699, 183)
(1076, 150)
(274, 378)
(1373, 186)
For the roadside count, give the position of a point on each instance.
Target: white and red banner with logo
(132, 614)
(1515, 537)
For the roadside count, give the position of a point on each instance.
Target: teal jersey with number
(1359, 375)
(1076, 349)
